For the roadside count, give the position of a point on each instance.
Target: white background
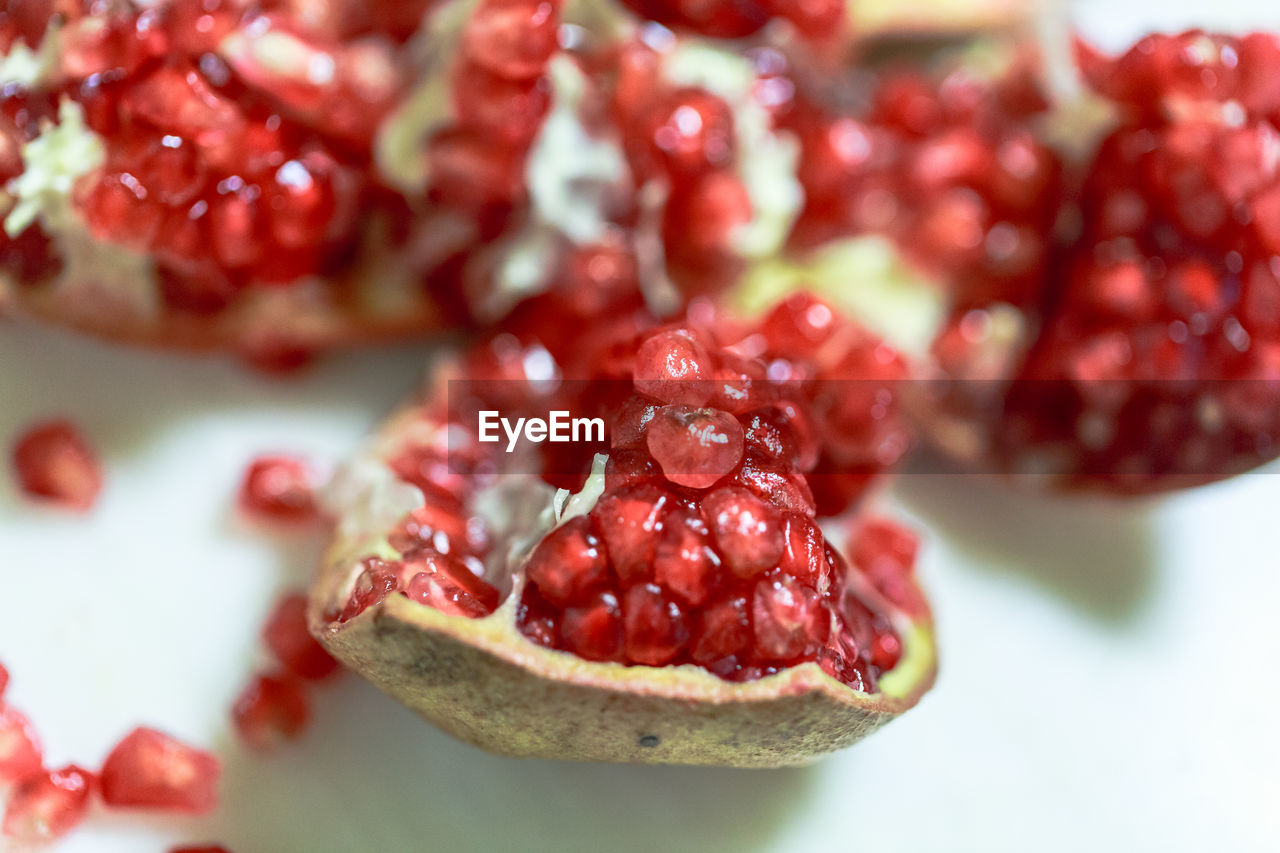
(1109, 676)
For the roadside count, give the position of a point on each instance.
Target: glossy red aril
(150, 769)
(747, 530)
(513, 38)
(20, 752)
(446, 583)
(4, 680)
(279, 488)
(695, 447)
(286, 636)
(47, 805)
(54, 462)
(271, 710)
(204, 848)
(570, 563)
(673, 366)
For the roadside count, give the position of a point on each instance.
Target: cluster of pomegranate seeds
(948, 167)
(146, 769)
(703, 547)
(1160, 363)
(275, 706)
(150, 769)
(54, 463)
(279, 488)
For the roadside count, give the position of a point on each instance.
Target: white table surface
(1109, 675)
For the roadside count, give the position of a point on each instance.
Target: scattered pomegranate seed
(54, 462)
(47, 804)
(20, 751)
(200, 848)
(4, 680)
(271, 710)
(286, 635)
(150, 769)
(279, 488)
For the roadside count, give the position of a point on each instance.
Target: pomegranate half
(678, 598)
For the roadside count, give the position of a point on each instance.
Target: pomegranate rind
(306, 318)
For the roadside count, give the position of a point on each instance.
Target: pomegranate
(20, 750)
(1154, 367)
(54, 463)
(278, 179)
(677, 599)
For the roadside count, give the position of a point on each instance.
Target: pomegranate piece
(150, 769)
(643, 591)
(286, 635)
(20, 751)
(279, 488)
(4, 680)
(47, 805)
(54, 462)
(270, 711)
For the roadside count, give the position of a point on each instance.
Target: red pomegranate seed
(286, 635)
(724, 632)
(788, 617)
(747, 531)
(693, 132)
(594, 631)
(200, 848)
(47, 805)
(695, 447)
(655, 628)
(150, 769)
(279, 488)
(569, 564)
(54, 462)
(4, 680)
(684, 562)
(513, 38)
(674, 367)
(271, 710)
(20, 752)
(630, 519)
(374, 583)
(805, 554)
(446, 583)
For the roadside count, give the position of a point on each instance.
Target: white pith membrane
(518, 509)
